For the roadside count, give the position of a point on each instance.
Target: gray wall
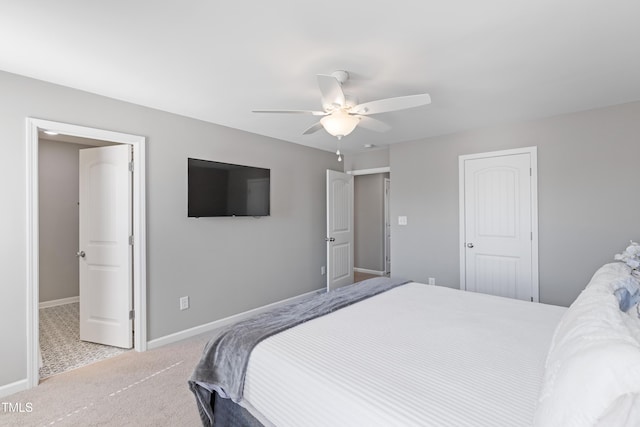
(58, 207)
(368, 210)
(225, 265)
(587, 196)
(376, 158)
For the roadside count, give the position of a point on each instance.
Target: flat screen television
(224, 189)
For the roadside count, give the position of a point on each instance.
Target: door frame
(387, 222)
(533, 153)
(33, 126)
(387, 201)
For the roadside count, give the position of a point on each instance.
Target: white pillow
(593, 366)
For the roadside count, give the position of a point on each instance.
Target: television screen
(223, 189)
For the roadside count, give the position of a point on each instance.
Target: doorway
(74, 133)
(498, 223)
(370, 227)
(371, 223)
(63, 346)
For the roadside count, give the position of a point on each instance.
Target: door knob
(330, 239)
(470, 245)
(80, 254)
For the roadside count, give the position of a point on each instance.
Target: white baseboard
(55, 302)
(364, 270)
(12, 388)
(207, 327)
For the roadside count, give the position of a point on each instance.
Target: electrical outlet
(323, 270)
(184, 303)
(432, 280)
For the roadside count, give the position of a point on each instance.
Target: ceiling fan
(341, 113)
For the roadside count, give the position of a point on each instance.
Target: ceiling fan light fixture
(339, 123)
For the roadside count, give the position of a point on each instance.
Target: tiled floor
(60, 343)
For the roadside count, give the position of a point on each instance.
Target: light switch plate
(402, 220)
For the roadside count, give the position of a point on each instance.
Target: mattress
(416, 355)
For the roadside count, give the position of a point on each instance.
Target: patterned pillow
(628, 293)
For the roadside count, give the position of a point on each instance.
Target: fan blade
(373, 124)
(313, 129)
(392, 104)
(331, 91)
(315, 113)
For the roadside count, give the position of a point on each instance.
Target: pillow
(593, 362)
(627, 292)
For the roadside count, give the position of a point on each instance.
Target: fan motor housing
(341, 76)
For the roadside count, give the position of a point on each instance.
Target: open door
(339, 229)
(104, 253)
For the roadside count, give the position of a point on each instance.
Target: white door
(339, 229)
(104, 252)
(498, 228)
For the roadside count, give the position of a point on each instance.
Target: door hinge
(131, 240)
(530, 172)
(532, 236)
(131, 314)
(131, 166)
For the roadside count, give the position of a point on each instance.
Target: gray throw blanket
(223, 364)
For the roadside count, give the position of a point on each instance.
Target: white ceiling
(483, 62)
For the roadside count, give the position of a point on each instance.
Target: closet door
(497, 203)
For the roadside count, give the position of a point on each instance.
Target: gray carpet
(60, 344)
(130, 389)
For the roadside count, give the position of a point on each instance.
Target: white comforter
(592, 375)
(416, 355)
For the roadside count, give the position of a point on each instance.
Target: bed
(392, 353)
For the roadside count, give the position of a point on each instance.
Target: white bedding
(416, 355)
(592, 375)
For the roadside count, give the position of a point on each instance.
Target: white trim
(461, 225)
(387, 220)
(369, 171)
(12, 388)
(207, 327)
(57, 302)
(33, 262)
(364, 270)
(535, 278)
(139, 231)
(533, 152)
(374, 171)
